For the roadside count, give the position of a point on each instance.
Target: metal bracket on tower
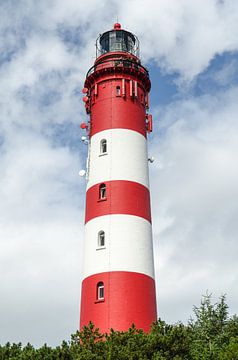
(149, 123)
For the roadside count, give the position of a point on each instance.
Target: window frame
(101, 236)
(118, 90)
(103, 143)
(102, 192)
(100, 287)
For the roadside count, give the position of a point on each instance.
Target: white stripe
(128, 245)
(126, 157)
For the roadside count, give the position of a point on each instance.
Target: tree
(212, 334)
(210, 328)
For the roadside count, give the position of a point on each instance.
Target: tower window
(118, 91)
(103, 146)
(142, 99)
(100, 291)
(102, 191)
(101, 238)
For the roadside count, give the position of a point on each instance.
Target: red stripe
(111, 112)
(122, 197)
(129, 298)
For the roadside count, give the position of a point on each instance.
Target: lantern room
(117, 40)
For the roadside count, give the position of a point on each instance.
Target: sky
(46, 48)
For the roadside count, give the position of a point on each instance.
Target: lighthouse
(118, 286)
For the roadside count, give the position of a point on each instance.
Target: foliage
(212, 334)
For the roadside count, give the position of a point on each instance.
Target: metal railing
(117, 64)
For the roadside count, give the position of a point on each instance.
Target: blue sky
(191, 51)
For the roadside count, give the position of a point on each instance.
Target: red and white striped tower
(118, 286)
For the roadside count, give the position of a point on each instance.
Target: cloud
(194, 192)
(40, 285)
(183, 36)
(41, 233)
(41, 207)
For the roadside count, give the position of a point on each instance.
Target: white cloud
(183, 36)
(194, 189)
(41, 234)
(40, 282)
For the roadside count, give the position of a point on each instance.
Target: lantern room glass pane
(117, 40)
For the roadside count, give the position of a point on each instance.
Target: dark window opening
(100, 291)
(103, 146)
(118, 91)
(102, 191)
(101, 238)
